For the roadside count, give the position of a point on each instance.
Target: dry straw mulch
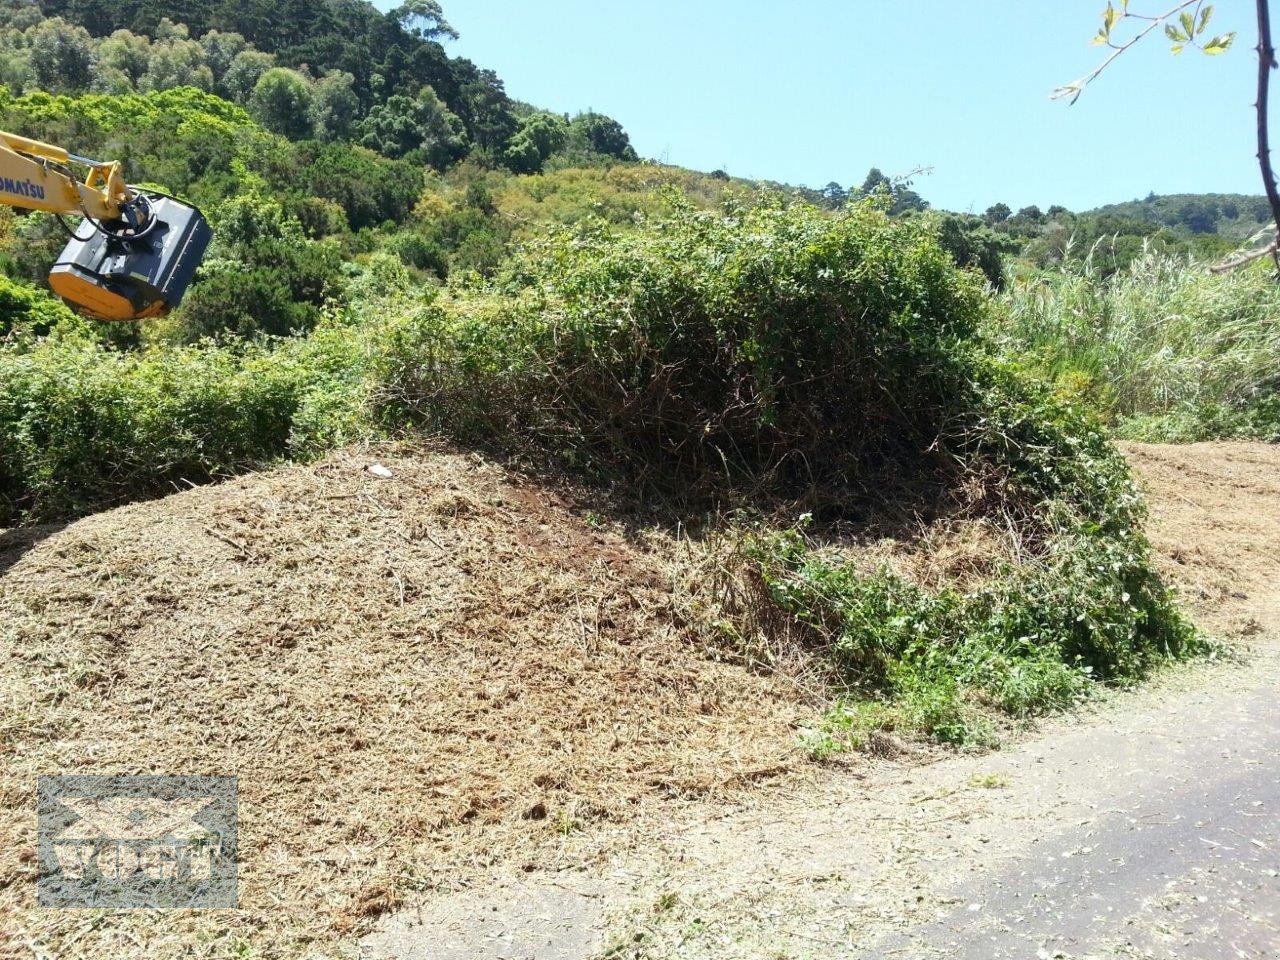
(413, 677)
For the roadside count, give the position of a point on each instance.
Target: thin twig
(1266, 63)
(1077, 88)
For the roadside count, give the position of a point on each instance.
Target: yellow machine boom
(28, 180)
(143, 250)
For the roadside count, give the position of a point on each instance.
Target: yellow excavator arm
(142, 250)
(28, 180)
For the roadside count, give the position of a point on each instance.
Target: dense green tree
(15, 59)
(62, 56)
(335, 106)
(1199, 216)
(1030, 215)
(997, 213)
(265, 276)
(540, 135)
(109, 80)
(167, 29)
(972, 244)
(128, 53)
(319, 217)
(602, 135)
(221, 49)
(834, 196)
(902, 199)
(177, 62)
(485, 110)
(875, 181)
(906, 200)
(242, 302)
(370, 188)
(421, 125)
(424, 19)
(1204, 215)
(244, 73)
(23, 14)
(282, 101)
(386, 54)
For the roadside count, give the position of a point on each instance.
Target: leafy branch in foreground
(1185, 25)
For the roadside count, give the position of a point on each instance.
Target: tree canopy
(345, 58)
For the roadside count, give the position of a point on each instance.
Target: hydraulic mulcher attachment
(143, 250)
(136, 267)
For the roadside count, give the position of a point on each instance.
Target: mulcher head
(136, 268)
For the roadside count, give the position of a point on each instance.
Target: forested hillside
(1229, 214)
(1111, 238)
(335, 70)
(313, 138)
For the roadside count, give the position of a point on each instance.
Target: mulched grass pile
(412, 676)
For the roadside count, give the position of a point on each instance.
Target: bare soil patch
(1215, 526)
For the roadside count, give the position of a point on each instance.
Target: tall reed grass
(1165, 350)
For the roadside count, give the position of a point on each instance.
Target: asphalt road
(1174, 853)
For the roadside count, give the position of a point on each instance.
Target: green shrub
(1081, 603)
(973, 244)
(83, 427)
(240, 301)
(421, 252)
(787, 351)
(369, 188)
(33, 247)
(26, 310)
(456, 237)
(263, 275)
(784, 346)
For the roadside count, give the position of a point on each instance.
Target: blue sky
(810, 91)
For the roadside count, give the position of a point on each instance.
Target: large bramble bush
(793, 353)
(774, 343)
(84, 426)
(765, 356)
